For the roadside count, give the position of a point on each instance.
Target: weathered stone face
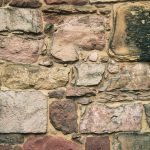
(11, 138)
(74, 2)
(26, 3)
(23, 50)
(97, 143)
(13, 19)
(134, 76)
(89, 74)
(147, 111)
(63, 116)
(131, 38)
(131, 141)
(72, 35)
(27, 76)
(50, 143)
(23, 112)
(102, 119)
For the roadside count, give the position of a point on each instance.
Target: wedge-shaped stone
(89, 74)
(131, 141)
(27, 76)
(131, 37)
(100, 118)
(23, 112)
(20, 50)
(84, 32)
(25, 20)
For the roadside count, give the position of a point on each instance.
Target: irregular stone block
(97, 143)
(73, 33)
(23, 112)
(63, 116)
(27, 76)
(147, 111)
(133, 76)
(130, 40)
(131, 141)
(79, 91)
(11, 138)
(26, 3)
(73, 2)
(13, 19)
(100, 118)
(50, 143)
(89, 74)
(19, 50)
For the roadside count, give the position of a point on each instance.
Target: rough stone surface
(97, 143)
(26, 3)
(131, 35)
(50, 143)
(63, 116)
(23, 50)
(27, 76)
(23, 112)
(99, 118)
(134, 76)
(74, 2)
(20, 20)
(73, 33)
(58, 93)
(84, 100)
(89, 74)
(131, 141)
(80, 91)
(11, 138)
(147, 111)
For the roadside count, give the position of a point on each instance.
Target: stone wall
(74, 75)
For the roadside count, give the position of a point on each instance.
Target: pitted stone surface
(27, 76)
(23, 112)
(63, 116)
(131, 35)
(50, 143)
(89, 73)
(85, 32)
(131, 141)
(19, 50)
(19, 19)
(100, 118)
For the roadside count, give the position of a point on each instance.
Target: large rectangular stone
(99, 118)
(23, 112)
(19, 19)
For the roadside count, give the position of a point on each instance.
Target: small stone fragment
(113, 67)
(58, 93)
(97, 143)
(11, 138)
(89, 74)
(80, 91)
(50, 143)
(100, 118)
(84, 101)
(63, 116)
(26, 3)
(93, 57)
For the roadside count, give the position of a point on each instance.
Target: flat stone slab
(19, 19)
(23, 112)
(100, 118)
(131, 36)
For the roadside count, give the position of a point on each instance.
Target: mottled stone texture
(13, 19)
(100, 118)
(97, 143)
(19, 50)
(27, 76)
(63, 116)
(73, 33)
(23, 112)
(131, 34)
(50, 143)
(131, 141)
